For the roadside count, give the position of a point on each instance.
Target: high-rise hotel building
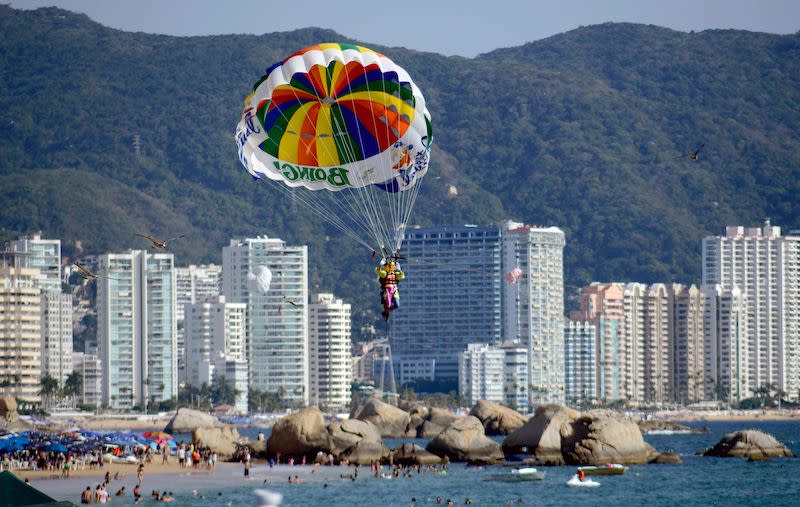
(533, 306)
(194, 284)
(137, 328)
(276, 339)
(450, 298)
(44, 255)
(20, 332)
(330, 344)
(765, 267)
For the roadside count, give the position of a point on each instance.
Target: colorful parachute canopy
(345, 131)
(260, 279)
(514, 275)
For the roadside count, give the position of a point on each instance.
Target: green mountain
(587, 130)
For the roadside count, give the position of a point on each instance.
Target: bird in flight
(88, 275)
(159, 245)
(693, 156)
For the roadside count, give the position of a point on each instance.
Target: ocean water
(698, 481)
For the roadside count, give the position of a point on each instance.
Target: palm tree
(49, 388)
(73, 386)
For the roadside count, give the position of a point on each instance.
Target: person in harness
(389, 274)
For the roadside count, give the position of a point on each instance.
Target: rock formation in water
(497, 419)
(465, 440)
(752, 444)
(558, 435)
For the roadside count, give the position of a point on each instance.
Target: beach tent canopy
(15, 493)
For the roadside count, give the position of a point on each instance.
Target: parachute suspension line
(318, 209)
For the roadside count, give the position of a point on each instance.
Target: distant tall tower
(44, 255)
(603, 307)
(20, 330)
(687, 340)
(765, 267)
(533, 307)
(214, 328)
(450, 298)
(137, 328)
(56, 320)
(194, 284)
(727, 343)
(330, 344)
(277, 324)
(481, 373)
(580, 362)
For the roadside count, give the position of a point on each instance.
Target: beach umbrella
(56, 447)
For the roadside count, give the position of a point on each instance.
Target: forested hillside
(587, 130)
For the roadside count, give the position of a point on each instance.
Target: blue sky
(466, 27)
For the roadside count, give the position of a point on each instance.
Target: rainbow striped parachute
(344, 130)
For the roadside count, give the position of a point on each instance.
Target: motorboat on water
(521, 474)
(607, 469)
(576, 482)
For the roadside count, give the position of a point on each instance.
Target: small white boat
(519, 475)
(575, 482)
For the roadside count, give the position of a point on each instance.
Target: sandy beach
(123, 469)
(729, 415)
(181, 480)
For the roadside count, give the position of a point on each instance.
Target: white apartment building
(213, 327)
(20, 333)
(580, 363)
(533, 307)
(481, 372)
(56, 321)
(515, 375)
(656, 344)
(194, 283)
(727, 344)
(765, 267)
(330, 343)
(91, 370)
(276, 340)
(43, 255)
(687, 339)
(137, 328)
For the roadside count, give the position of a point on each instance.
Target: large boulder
(464, 440)
(605, 436)
(557, 435)
(221, 440)
(9, 417)
(541, 435)
(7, 404)
(752, 444)
(299, 434)
(442, 417)
(413, 454)
(429, 430)
(497, 419)
(365, 452)
(417, 415)
(350, 432)
(390, 421)
(187, 420)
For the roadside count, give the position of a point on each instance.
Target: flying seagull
(88, 275)
(159, 245)
(693, 156)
